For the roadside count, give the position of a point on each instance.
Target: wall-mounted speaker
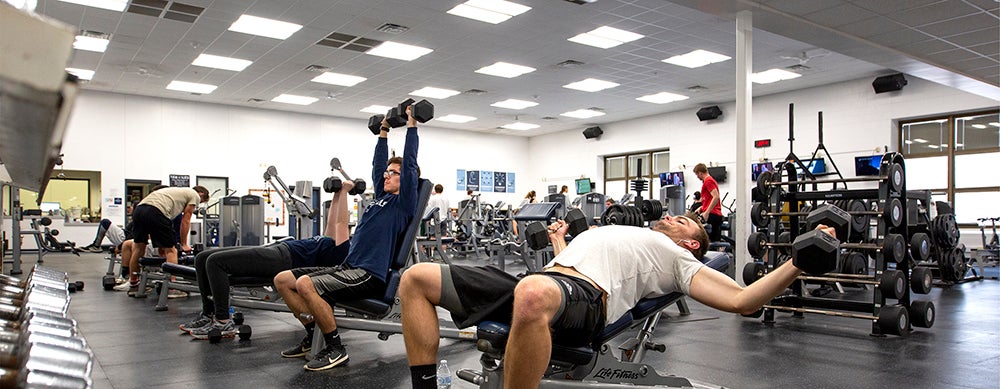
(592, 133)
(709, 113)
(890, 83)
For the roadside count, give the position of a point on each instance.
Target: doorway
(135, 191)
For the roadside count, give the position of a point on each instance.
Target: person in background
(711, 202)
(439, 200)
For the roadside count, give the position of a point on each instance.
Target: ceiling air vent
(390, 28)
(317, 69)
(581, 2)
(475, 92)
(798, 68)
(349, 42)
(549, 118)
(569, 64)
(255, 100)
(696, 88)
(166, 9)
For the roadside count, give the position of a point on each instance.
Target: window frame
(649, 175)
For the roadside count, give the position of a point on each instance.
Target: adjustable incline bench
(595, 366)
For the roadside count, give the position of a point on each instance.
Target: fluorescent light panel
(520, 126)
(696, 59)
(506, 70)
(399, 51)
(112, 5)
(453, 118)
(591, 85)
(82, 74)
(582, 113)
(90, 43)
(219, 62)
(979, 126)
(662, 98)
(919, 140)
(378, 109)
(773, 75)
(995, 124)
(434, 93)
(259, 26)
(605, 37)
(294, 99)
(338, 79)
(489, 11)
(192, 87)
(514, 104)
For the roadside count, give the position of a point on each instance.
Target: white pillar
(744, 116)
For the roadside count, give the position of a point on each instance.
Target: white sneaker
(122, 287)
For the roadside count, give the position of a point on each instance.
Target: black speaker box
(709, 113)
(890, 83)
(593, 132)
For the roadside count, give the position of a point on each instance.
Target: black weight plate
(859, 223)
(756, 244)
(920, 246)
(893, 212)
(896, 177)
(762, 180)
(894, 248)
(758, 216)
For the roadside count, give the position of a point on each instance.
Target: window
(617, 182)
(218, 187)
(955, 157)
(76, 192)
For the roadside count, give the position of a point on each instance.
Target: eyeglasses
(390, 173)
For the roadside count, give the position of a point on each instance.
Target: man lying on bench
(376, 240)
(590, 283)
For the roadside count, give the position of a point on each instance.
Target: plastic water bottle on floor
(444, 375)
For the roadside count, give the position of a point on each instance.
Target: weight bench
(594, 366)
(151, 270)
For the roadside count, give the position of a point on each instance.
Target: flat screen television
(583, 186)
(718, 173)
(867, 165)
(757, 168)
(815, 166)
(672, 178)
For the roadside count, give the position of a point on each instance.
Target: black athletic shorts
(486, 293)
(149, 223)
(342, 283)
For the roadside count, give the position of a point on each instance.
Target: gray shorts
(342, 283)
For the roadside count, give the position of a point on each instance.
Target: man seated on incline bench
(215, 266)
(591, 282)
(364, 272)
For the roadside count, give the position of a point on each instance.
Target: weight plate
(896, 177)
(894, 248)
(920, 247)
(762, 183)
(893, 212)
(860, 223)
(758, 215)
(756, 244)
(784, 237)
(855, 263)
(613, 215)
(637, 217)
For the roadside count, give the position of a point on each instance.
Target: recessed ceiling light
(520, 126)
(506, 70)
(489, 11)
(995, 124)
(605, 37)
(662, 98)
(933, 146)
(192, 87)
(270, 28)
(82, 74)
(514, 104)
(294, 99)
(696, 59)
(338, 79)
(909, 142)
(583, 113)
(919, 140)
(377, 109)
(113, 5)
(453, 118)
(434, 93)
(399, 51)
(979, 126)
(591, 85)
(773, 75)
(224, 63)
(89, 43)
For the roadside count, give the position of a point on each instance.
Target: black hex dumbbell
(423, 111)
(831, 216)
(375, 124)
(359, 184)
(815, 252)
(537, 233)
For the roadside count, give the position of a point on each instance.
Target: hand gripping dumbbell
(536, 234)
(422, 111)
(333, 184)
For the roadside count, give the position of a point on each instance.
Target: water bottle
(444, 375)
(232, 311)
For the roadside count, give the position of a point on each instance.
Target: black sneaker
(300, 350)
(331, 356)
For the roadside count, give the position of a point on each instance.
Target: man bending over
(152, 220)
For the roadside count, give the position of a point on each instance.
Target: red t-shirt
(707, 187)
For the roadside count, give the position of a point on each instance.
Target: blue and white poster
(472, 180)
(500, 182)
(460, 180)
(510, 182)
(485, 181)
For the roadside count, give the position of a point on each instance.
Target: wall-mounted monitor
(672, 178)
(757, 168)
(583, 186)
(815, 166)
(718, 173)
(867, 165)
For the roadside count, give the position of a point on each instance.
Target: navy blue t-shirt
(316, 251)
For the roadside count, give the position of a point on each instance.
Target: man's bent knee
(536, 297)
(304, 285)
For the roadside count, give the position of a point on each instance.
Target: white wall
(136, 137)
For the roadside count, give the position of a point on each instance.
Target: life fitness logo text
(607, 373)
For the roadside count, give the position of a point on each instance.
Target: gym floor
(136, 347)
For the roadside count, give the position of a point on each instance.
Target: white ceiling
(953, 42)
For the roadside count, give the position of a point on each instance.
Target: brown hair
(438, 188)
(700, 168)
(203, 192)
(701, 236)
(399, 161)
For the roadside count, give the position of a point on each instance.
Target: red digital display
(762, 143)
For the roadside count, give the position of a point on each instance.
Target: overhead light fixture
(909, 142)
(582, 113)
(82, 74)
(224, 63)
(434, 93)
(662, 98)
(919, 140)
(591, 85)
(959, 145)
(605, 37)
(514, 104)
(944, 146)
(933, 146)
(111, 5)
(696, 59)
(377, 109)
(265, 27)
(979, 126)
(995, 124)
(489, 11)
(400, 51)
(773, 75)
(191, 87)
(338, 79)
(294, 99)
(506, 70)
(91, 43)
(520, 126)
(453, 118)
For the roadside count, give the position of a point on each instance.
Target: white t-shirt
(630, 263)
(444, 206)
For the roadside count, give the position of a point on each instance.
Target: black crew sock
(424, 376)
(310, 328)
(332, 338)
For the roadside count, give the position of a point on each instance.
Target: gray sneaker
(227, 330)
(329, 357)
(196, 323)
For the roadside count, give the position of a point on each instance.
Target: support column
(744, 119)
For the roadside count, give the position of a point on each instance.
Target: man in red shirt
(711, 202)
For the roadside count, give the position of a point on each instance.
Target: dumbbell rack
(885, 318)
